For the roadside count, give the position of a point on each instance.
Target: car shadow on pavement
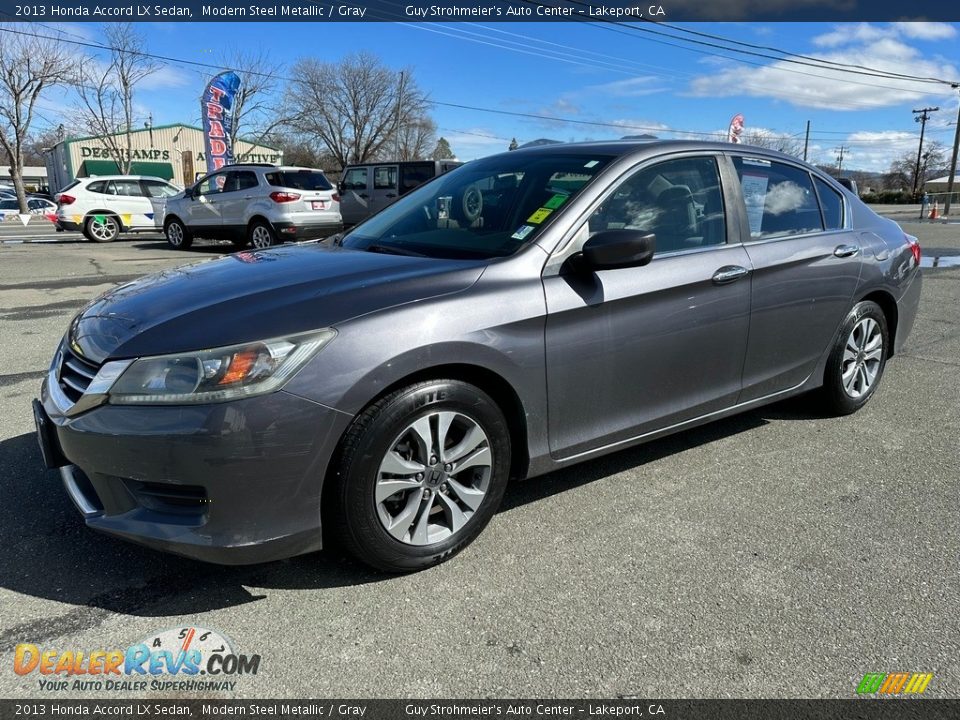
(52, 555)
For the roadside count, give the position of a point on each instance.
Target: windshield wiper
(393, 250)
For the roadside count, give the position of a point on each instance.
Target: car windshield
(485, 209)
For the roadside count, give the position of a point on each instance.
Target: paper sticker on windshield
(522, 232)
(556, 201)
(592, 163)
(539, 216)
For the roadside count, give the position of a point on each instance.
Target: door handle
(391, 195)
(363, 195)
(842, 251)
(248, 197)
(729, 274)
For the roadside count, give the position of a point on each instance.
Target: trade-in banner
(736, 128)
(216, 109)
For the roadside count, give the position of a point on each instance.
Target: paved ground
(776, 554)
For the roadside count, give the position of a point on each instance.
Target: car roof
(122, 177)
(623, 148)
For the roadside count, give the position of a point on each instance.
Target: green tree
(443, 150)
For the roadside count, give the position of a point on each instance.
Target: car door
(633, 350)
(130, 203)
(157, 193)
(385, 179)
(203, 208)
(806, 267)
(355, 195)
(238, 192)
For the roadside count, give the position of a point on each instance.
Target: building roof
(945, 179)
(160, 127)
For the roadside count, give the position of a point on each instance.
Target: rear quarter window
(98, 186)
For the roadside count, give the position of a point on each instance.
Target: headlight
(216, 375)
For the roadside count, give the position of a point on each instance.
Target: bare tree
(903, 170)
(28, 66)
(256, 106)
(106, 91)
(443, 151)
(786, 144)
(354, 106)
(416, 138)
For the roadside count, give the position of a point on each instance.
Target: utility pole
(397, 130)
(953, 163)
(921, 116)
(840, 151)
(806, 142)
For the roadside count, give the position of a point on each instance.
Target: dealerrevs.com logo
(180, 659)
(894, 683)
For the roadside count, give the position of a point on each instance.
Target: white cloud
(165, 77)
(927, 30)
(880, 47)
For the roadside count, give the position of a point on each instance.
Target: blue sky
(586, 72)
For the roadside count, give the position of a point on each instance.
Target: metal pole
(953, 164)
(806, 142)
(924, 115)
(399, 100)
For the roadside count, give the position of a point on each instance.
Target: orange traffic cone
(935, 211)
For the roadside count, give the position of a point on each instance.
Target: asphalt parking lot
(775, 554)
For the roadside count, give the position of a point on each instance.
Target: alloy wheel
(260, 238)
(433, 478)
(862, 356)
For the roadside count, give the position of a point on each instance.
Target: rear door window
(128, 188)
(780, 198)
(385, 177)
(158, 189)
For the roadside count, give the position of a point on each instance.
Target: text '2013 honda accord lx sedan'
(524, 312)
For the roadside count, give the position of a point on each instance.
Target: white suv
(104, 206)
(254, 204)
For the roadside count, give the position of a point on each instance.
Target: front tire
(857, 359)
(419, 475)
(101, 228)
(178, 237)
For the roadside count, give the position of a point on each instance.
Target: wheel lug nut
(443, 487)
(433, 460)
(448, 467)
(426, 493)
(419, 476)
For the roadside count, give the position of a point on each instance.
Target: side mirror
(611, 249)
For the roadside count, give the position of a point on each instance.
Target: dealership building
(172, 152)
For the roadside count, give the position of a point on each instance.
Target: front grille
(76, 374)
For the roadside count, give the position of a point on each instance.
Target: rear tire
(389, 505)
(178, 237)
(101, 228)
(260, 235)
(856, 360)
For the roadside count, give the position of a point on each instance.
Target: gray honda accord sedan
(524, 312)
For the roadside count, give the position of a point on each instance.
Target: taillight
(914, 247)
(66, 199)
(335, 197)
(282, 197)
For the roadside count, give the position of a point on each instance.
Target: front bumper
(230, 483)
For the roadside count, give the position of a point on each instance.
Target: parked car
(103, 207)
(254, 204)
(367, 188)
(522, 313)
(36, 206)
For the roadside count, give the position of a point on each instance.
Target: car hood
(257, 295)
